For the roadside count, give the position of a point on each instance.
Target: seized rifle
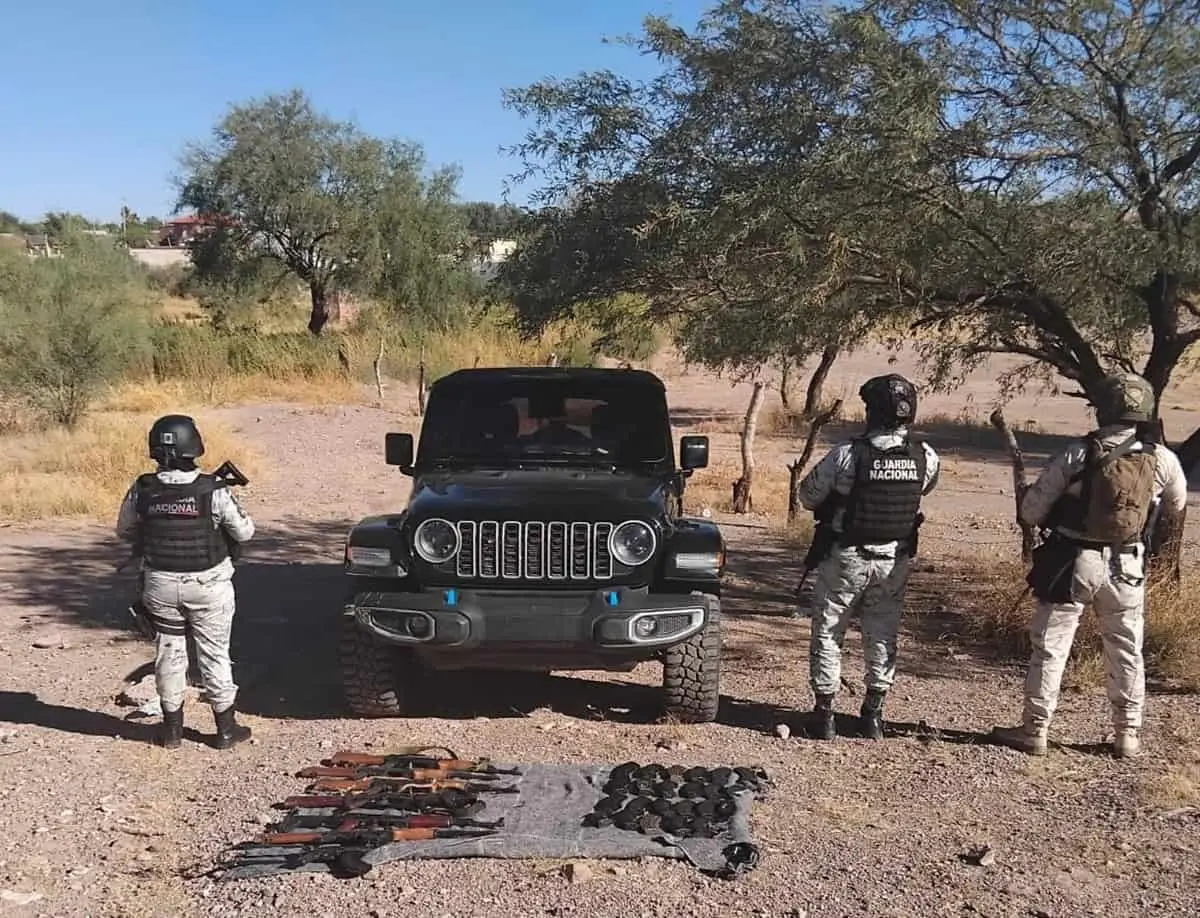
(823, 538)
(348, 822)
(343, 860)
(376, 783)
(392, 771)
(390, 797)
(371, 838)
(403, 760)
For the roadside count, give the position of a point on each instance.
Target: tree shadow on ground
(289, 592)
(26, 708)
(762, 583)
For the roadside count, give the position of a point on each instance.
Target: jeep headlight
(632, 543)
(436, 541)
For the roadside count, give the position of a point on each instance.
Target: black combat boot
(872, 715)
(229, 731)
(823, 727)
(170, 732)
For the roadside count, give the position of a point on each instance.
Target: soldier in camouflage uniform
(181, 522)
(1093, 501)
(869, 490)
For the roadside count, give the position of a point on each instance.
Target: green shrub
(69, 326)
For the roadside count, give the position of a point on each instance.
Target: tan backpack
(1118, 489)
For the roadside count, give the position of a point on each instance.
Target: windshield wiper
(566, 451)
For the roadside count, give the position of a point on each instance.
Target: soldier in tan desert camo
(1094, 500)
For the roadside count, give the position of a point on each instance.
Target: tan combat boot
(1027, 737)
(1126, 743)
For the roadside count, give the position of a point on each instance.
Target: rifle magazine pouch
(1053, 573)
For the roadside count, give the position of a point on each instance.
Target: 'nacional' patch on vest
(182, 506)
(895, 468)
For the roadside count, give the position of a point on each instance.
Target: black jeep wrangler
(544, 531)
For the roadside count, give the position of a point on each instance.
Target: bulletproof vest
(886, 495)
(176, 525)
(1115, 494)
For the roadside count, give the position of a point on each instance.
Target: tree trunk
(816, 384)
(743, 500)
(1019, 484)
(379, 369)
(1165, 555)
(421, 383)
(320, 308)
(796, 469)
(1189, 453)
(785, 384)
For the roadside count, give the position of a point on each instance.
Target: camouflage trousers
(850, 580)
(1114, 584)
(203, 604)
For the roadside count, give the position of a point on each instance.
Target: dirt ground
(99, 822)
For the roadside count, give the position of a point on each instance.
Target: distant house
(182, 230)
(487, 266)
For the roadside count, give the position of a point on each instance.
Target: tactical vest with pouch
(1115, 495)
(886, 495)
(177, 531)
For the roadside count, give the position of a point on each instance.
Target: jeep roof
(487, 375)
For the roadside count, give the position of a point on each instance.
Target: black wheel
(370, 673)
(692, 671)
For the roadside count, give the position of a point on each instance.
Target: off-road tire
(370, 673)
(692, 670)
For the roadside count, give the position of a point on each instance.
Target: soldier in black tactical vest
(1094, 503)
(866, 495)
(183, 524)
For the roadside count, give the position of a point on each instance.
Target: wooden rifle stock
(376, 783)
(412, 821)
(409, 761)
(399, 760)
(399, 773)
(394, 835)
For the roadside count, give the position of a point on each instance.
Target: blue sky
(100, 98)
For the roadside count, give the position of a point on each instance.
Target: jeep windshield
(520, 422)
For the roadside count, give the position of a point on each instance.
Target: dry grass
(84, 473)
(182, 309)
(712, 488)
(798, 535)
(17, 418)
(1172, 638)
(1180, 786)
(145, 396)
(1172, 643)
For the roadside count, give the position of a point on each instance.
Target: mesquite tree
(1020, 178)
(338, 209)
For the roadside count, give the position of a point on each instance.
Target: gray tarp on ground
(545, 821)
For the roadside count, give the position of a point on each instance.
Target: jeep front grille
(517, 551)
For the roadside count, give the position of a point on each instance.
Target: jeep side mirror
(398, 451)
(693, 452)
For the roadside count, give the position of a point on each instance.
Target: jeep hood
(558, 494)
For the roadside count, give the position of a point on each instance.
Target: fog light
(645, 627)
(417, 626)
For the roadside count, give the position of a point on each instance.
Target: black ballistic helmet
(175, 437)
(891, 401)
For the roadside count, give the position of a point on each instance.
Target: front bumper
(457, 620)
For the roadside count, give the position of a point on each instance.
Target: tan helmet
(1124, 397)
